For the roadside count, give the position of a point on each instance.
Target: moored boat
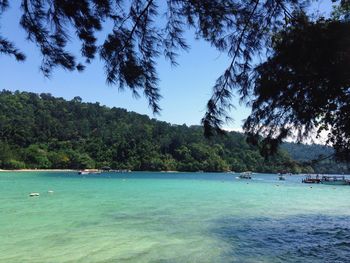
(84, 172)
(311, 180)
(246, 175)
(335, 180)
(281, 177)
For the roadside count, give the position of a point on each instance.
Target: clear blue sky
(185, 88)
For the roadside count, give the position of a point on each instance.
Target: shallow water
(171, 217)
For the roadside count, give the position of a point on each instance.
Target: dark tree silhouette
(140, 33)
(305, 85)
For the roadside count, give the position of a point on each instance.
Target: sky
(185, 88)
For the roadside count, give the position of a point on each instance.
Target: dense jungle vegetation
(41, 131)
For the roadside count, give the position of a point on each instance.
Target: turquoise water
(163, 217)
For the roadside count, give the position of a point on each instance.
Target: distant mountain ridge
(41, 131)
(307, 152)
(312, 154)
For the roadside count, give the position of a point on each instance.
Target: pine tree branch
(240, 39)
(143, 12)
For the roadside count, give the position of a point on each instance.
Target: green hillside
(41, 131)
(311, 154)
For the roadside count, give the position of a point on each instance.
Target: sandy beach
(39, 170)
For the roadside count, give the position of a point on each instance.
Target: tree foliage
(304, 85)
(139, 35)
(40, 131)
(142, 30)
(317, 156)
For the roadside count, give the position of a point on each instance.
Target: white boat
(246, 175)
(84, 172)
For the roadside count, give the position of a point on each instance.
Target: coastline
(76, 170)
(38, 170)
(72, 170)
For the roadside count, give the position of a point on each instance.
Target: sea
(171, 217)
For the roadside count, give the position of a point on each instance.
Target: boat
(281, 177)
(34, 194)
(335, 180)
(85, 172)
(311, 180)
(246, 175)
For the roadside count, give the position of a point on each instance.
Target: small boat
(84, 172)
(34, 194)
(311, 180)
(335, 180)
(246, 175)
(281, 177)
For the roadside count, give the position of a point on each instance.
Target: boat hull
(245, 177)
(311, 181)
(335, 182)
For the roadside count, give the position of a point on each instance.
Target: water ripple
(304, 238)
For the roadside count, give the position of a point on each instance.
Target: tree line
(41, 131)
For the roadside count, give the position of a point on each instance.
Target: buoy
(34, 194)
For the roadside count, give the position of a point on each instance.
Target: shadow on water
(302, 238)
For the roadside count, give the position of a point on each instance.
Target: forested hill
(41, 131)
(305, 153)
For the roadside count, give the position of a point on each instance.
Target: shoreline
(162, 172)
(77, 170)
(39, 170)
